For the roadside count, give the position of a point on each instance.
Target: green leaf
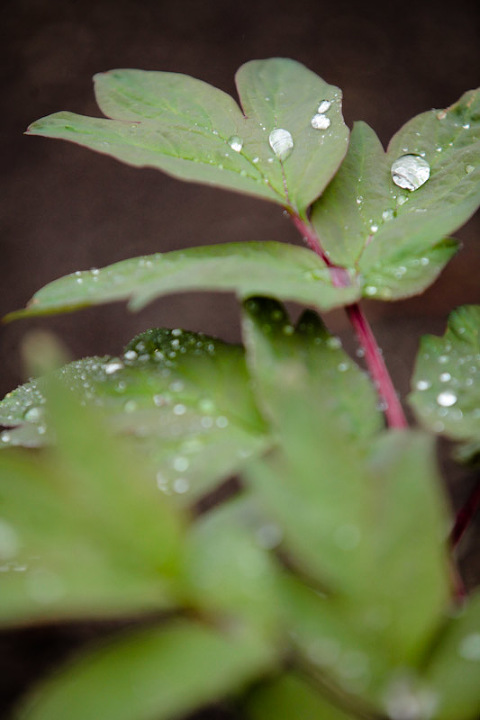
(275, 269)
(445, 388)
(291, 366)
(289, 696)
(71, 518)
(453, 670)
(185, 398)
(196, 132)
(393, 236)
(347, 500)
(228, 569)
(152, 674)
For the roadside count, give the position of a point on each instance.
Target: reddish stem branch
(373, 357)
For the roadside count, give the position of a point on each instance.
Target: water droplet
(410, 172)
(221, 421)
(324, 107)
(404, 701)
(371, 290)
(113, 367)
(206, 422)
(445, 377)
(469, 647)
(387, 215)
(5, 437)
(447, 398)
(469, 169)
(206, 405)
(34, 414)
(441, 115)
(176, 386)
(269, 536)
(343, 366)
(130, 406)
(181, 485)
(423, 384)
(180, 463)
(320, 122)
(130, 355)
(373, 228)
(281, 142)
(179, 409)
(334, 342)
(236, 143)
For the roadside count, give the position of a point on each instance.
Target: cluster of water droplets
(447, 391)
(320, 121)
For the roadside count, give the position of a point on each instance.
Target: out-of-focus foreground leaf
(158, 673)
(184, 398)
(85, 531)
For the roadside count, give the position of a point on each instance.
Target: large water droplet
(320, 122)
(236, 143)
(281, 142)
(410, 172)
(447, 398)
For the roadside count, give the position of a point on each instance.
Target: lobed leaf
(395, 237)
(445, 387)
(347, 501)
(196, 132)
(68, 550)
(184, 398)
(278, 270)
(156, 673)
(453, 670)
(289, 696)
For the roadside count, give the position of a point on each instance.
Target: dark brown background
(65, 208)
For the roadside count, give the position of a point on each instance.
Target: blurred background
(65, 208)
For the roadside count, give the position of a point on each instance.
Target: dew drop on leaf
(113, 367)
(236, 143)
(281, 142)
(410, 172)
(324, 107)
(320, 122)
(447, 398)
(34, 414)
(423, 384)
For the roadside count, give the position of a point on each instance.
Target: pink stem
(373, 356)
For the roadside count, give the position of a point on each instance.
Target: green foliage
(282, 271)
(320, 585)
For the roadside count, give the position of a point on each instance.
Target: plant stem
(389, 400)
